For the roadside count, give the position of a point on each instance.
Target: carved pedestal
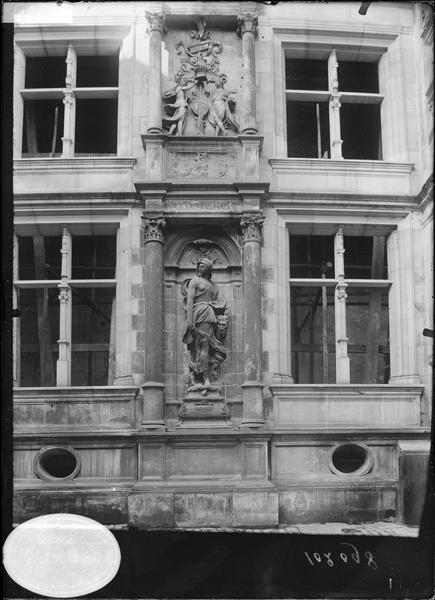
(198, 410)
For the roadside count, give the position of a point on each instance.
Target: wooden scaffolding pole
(374, 320)
(44, 330)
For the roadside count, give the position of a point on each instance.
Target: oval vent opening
(57, 463)
(351, 458)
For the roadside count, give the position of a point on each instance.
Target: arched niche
(183, 247)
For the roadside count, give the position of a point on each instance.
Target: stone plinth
(198, 410)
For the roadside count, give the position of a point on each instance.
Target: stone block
(150, 509)
(138, 362)
(321, 505)
(140, 340)
(109, 509)
(138, 322)
(203, 510)
(138, 290)
(255, 508)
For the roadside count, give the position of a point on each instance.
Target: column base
(153, 408)
(152, 425)
(250, 131)
(404, 379)
(252, 404)
(123, 380)
(198, 411)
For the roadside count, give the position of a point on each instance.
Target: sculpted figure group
(199, 94)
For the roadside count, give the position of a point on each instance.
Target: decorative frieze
(153, 228)
(212, 165)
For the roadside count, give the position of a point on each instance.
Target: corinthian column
(252, 387)
(247, 29)
(153, 416)
(155, 30)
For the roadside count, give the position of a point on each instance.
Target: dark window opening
(308, 129)
(50, 259)
(39, 332)
(313, 334)
(96, 126)
(367, 326)
(348, 458)
(58, 463)
(45, 72)
(365, 257)
(306, 74)
(361, 131)
(43, 127)
(91, 335)
(311, 256)
(94, 257)
(97, 71)
(358, 77)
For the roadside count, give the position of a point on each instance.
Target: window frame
(64, 284)
(86, 40)
(334, 97)
(340, 283)
(353, 41)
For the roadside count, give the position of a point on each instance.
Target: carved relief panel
(201, 96)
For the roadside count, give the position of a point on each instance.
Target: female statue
(206, 326)
(220, 112)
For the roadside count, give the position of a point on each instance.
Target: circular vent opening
(352, 459)
(57, 463)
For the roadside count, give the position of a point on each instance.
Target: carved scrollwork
(153, 228)
(202, 248)
(252, 228)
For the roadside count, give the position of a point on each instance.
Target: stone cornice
(82, 163)
(325, 165)
(425, 196)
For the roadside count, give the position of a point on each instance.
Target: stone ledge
(342, 176)
(351, 405)
(106, 163)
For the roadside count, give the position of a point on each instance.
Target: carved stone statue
(178, 118)
(206, 328)
(199, 94)
(220, 111)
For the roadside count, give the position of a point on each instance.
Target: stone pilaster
(153, 415)
(69, 103)
(334, 107)
(156, 30)
(341, 357)
(402, 303)
(247, 30)
(63, 365)
(252, 387)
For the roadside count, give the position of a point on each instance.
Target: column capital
(252, 228)
(247, 23)
(156, 22)
(153, 227)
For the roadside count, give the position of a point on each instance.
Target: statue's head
(204, 267)
(221, 80)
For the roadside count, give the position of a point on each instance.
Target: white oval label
(61, 555)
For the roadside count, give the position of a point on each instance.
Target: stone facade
(203, 168)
